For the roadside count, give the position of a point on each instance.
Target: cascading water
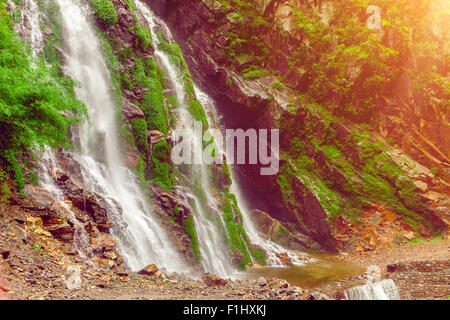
(213, 250)
(141, 238)
(272, 249)
(48, 165)
(374, 289)
(211, 239)
(29, 28)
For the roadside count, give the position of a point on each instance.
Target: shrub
(31, 102)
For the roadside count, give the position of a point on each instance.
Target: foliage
(236, 235)
(106, 11)
(160, 166)
(139, 127)
(189, 228)
(32, 100)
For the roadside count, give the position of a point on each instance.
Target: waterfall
(380, 290)
(374, 289)
(48, 165)
(210, 237)
(272, 249)
(142, 239)
(29, 28)
(212, 245)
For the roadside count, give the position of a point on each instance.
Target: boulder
(285, 260)
(131, 155)
(104, 243)
(212, 280)
(83, 200)
(131, 111)
(155, 136)
(269, 227)
(59, 229)
(149, 270)
(4, 253)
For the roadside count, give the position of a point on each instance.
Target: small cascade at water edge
(375, 288)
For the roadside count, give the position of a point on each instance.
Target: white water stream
(29, 28)
(271, 248)
(212, 246)
(141, 237)
(211, 239)
(375, 288)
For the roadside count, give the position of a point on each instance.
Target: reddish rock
(212, 280)
(149, 270)
(131, 111)
(104, 243)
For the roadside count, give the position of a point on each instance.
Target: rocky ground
(420, 270)
(29, 272)
(39, 261)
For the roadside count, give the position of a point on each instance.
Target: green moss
(253, 72)
(5, 190)
(236, 236)
(160, 169)
(143, 36)
(176, 58)
(31, 100)
(189, 228)
(149, 75)
(260, 257)
(139, 127)
(53, 40)
(105, 10)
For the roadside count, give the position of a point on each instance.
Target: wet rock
(104, 243)
(84, 201)
(270, 228)
(155, 136)
(131, 155)
(59, 229)
(262, 282)
(131, 111)
(4, 253)
(212, 280)
(149, 270)
(285, 260)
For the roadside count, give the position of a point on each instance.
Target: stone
(131, 155)
(149, 270)
(59, 229)
(131, 111)
(262, 281)
(121, 272)
(421, 186)
(155, 136)
(104, 243)
(285, 260)
(4, 253)
(392, 268)
(212, 280)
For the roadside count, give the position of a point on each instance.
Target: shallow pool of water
(323, 269)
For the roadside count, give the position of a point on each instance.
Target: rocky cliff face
(341, 185)
(265, 61)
